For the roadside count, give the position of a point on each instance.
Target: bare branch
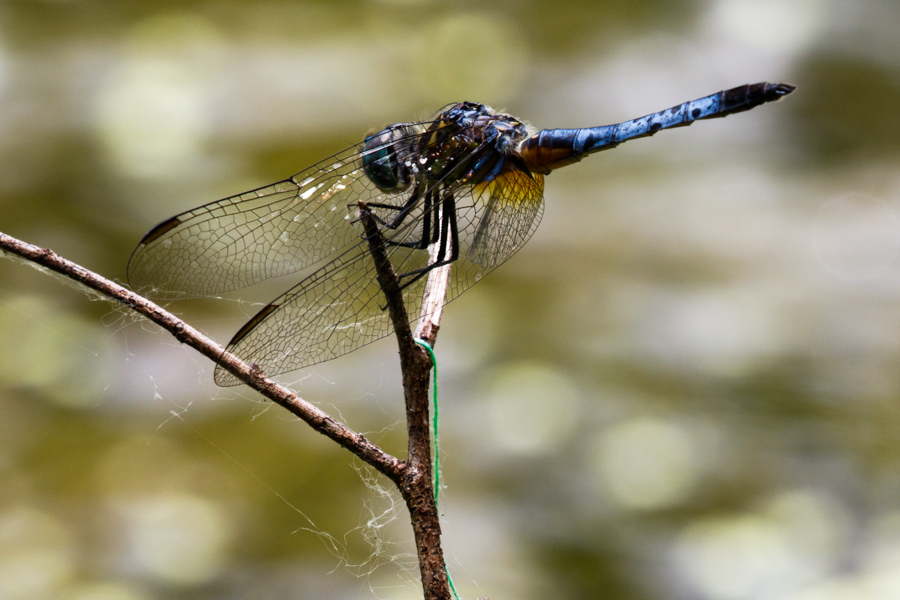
(414, 477)
(319, 420)
(415, 363)
(388, 280)
(433, 300)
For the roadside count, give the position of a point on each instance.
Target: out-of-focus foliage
(685, 386)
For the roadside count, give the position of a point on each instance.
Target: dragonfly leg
(448, 232)
(402, 211)
(430, 231)
(482, 167)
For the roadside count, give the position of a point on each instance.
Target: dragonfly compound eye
(383, 158)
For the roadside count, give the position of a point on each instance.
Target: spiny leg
(429, 231)
(448, 230)
(402, 211)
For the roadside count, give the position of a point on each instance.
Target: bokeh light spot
(532, 407)
(152, 114)
(856, 237)
(771, 25)
(48, 349)
(647, 464)
(104, 591)
(35, 554)
(790, 542)
(452, 61)
(178, 538)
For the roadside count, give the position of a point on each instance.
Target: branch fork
(412, 476)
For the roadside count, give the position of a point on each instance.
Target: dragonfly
(463, 188)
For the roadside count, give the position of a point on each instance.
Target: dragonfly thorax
(467, 142)
(483, 125)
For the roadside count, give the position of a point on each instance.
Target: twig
(316, 418)
(412, 477)
(433, 300)
(415, 365)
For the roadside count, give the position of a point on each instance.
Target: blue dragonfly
(463, 188)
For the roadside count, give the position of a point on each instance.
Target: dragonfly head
(384, 157)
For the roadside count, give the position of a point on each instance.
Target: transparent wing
(278, 229)
(511, 215)
(340, 306)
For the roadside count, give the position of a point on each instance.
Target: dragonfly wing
(341, 307)
(335, 310)
(241, 240)
(513, 205)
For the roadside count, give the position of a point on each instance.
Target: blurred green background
(686, 386)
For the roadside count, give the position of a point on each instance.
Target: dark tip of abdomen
(777, 90)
